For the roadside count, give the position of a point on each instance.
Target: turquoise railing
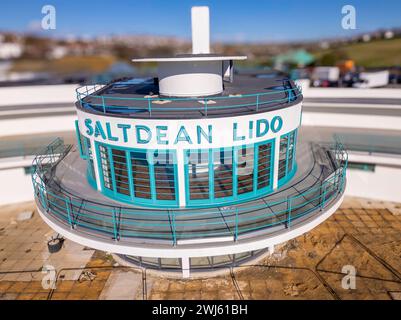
(119, 222)
(111, 104)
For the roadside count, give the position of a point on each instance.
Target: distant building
(298, 58)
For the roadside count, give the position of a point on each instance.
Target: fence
(129, 223)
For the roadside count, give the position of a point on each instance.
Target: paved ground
(362, 234)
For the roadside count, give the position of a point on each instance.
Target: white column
(95, 164)
(200, 30)
(276, 162)
(181, 177)
(185, 267)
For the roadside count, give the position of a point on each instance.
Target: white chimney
(200, 30)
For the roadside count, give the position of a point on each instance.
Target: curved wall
(190, 163)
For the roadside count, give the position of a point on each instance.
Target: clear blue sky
(246, 20)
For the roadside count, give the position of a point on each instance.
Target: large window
(223, 172)
(198, 174)
(223, 175)
(287, 155)
(164, 169)
(265, 163)
(105, 167)
(121, 175)
(139, 176)
(245, 169)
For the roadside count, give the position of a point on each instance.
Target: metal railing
(129, 105)
(173, 225)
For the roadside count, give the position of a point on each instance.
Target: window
(265, 162)
(198, 174)
(282, 162)
(287, 154)
(105, 167)
(121, 172)
(223, 172)
(140, 174)
(245, 158)
(164, 175)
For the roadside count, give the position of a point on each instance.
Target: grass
(377, 53)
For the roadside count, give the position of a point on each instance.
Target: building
(193, 170)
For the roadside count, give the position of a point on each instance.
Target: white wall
(15, 186)
(383, 184)
(13, 96)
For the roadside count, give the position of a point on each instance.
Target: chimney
(200, 30)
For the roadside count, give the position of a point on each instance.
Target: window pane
(245, 169)
(291, 150)
(264, 165)
(282, 157)
(140, 174)
(121, 171)
(223, 172)
(164, 175)
(198, 174)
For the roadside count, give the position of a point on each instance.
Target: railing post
(323, 197)
(257, 102)
(289, 208)
(44, 202)
(115, 224)
(205, 106)
(104, 105)
(173, 227)
(236, 224)
(150, 107)
(69, 211)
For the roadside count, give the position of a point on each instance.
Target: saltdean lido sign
(179, 133)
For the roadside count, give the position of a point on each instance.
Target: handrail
(105, 103)
(119, 222)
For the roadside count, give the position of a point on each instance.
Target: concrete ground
(362, 235)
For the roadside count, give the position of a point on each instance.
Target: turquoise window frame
(289, 174)
(132, 199)
(81, 148)
(235, 197)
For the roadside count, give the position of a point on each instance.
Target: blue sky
(246, 20)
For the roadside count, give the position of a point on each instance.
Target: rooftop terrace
(139, 98)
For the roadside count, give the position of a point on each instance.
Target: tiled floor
(364, 234)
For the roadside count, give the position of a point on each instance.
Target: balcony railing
(130, 223)
(89, 98)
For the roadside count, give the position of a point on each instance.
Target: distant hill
(373, 54)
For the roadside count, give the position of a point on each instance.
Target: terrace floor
(70, 177)
(362, 233)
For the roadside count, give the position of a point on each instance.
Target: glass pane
(90, 157)
(223, 172)
(291, 149)
(282, 157)
(264, 165)
(140, 174)
(245, 169)
(198, 174)
(164, 175)
(121, 171)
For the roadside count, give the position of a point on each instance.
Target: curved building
(196, 169)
